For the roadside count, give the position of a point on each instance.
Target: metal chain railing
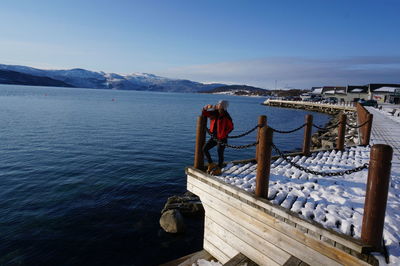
(326, 128)
(273, 129)
(363, 124)
(239, 147)
(304, 169)
(236, 147)
(288, 131)
(245, 133)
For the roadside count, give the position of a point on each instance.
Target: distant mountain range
(82, 78)
(14, 77)
(239, 90)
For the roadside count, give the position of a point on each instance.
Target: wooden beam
(239, 244)
(267, 226)
(376, 194)
(260, 235)
(293, 261)
(347, 241)
(240, 260)
(215, 251)
(223, 246)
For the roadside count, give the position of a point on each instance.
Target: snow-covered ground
(203, 262)
(334, 202)
(387, 110)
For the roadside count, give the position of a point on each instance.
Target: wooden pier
(239, 223)
(312, 106)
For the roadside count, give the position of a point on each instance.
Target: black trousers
(211, 143)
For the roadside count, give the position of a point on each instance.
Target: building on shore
(374, 91)
(385, 93)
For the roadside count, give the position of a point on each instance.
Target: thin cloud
(298, 72)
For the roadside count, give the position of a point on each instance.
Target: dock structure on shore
(312, 106)
(237, 221)
(264, 222)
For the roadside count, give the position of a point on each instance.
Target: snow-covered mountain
(83, 78)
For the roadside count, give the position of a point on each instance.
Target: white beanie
(224, 104)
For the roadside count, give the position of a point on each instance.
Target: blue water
(85, 173)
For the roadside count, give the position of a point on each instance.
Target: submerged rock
(172, 222)
(188, 204)
(176, 207)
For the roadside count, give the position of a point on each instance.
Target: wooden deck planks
(239, 244)
(215, 251)
(240, 260)
(264, 237)
(223, 246)
(343, 240)
(261, 223)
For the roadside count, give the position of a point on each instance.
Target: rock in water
(188, 204)
(328, 144)
(172, 221)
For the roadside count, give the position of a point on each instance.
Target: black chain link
(363, 124)
(304, 169)
(326, 128)
(288, 131)
(239, 147)
(236, 147)
(237, 136)
(245, 133)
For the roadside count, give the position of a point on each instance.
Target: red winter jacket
(224, 123)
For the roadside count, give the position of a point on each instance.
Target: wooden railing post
(262, 121)
(363, 128)
(263, 162)
(367, 129)
(341, 132)
(200, 140)
(307, 135)
(376, 194)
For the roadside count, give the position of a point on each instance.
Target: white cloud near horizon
(295, 72)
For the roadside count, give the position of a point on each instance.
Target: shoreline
(326, 137)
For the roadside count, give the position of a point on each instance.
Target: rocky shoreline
(326, 138)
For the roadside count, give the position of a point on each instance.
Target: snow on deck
(386, 130)
(335, 202)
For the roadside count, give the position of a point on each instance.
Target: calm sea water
(85, 173)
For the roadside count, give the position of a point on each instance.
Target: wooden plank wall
(234, 224)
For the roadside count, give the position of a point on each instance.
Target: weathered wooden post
(263, 162)
(362, 121)
(376, 194)
(200, 140)
(341, 132)
(367, 129)
(262, 121)
(307, 135)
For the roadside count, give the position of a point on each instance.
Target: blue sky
(297, 43)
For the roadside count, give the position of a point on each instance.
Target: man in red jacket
(220, 126)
